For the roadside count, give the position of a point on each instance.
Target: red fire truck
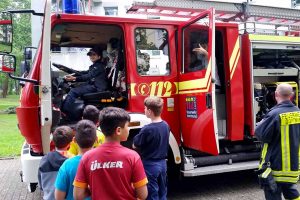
(212, 100)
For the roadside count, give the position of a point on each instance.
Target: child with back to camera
(85, 138)
(51, 162)
(153, 143)
(111, 171)
(91, 113)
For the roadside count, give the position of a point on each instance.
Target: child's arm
(142, 192)
(139, 179)
(139, 139)
(59, 195)
(61, 183)
(81, 189)
(80, 193)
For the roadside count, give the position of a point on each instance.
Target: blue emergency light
(70, 6)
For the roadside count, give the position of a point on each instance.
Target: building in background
(119, 8)
(108, 7)
(92, 7)
(280, 3)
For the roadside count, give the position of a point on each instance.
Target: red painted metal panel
(246, 62)
(29, 125)
(143, 86)
(28, 112)
(234, 89)
(5, 22)
(197, 130)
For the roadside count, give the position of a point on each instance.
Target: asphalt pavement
(11, 187)
(229, 186)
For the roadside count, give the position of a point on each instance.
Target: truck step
(221, 168)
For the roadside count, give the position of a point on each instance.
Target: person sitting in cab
(94, 78)
(115, 66)
(200, 60)
(199, 57)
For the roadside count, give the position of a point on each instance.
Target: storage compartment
(270, 68)
(264, 97)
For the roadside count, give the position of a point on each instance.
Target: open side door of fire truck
(196, 87)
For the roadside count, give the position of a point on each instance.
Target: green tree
(21, 38)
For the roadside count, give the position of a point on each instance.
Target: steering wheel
(66, 69)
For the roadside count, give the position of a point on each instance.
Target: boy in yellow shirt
(91, 113)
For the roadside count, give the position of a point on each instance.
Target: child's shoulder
(162, 124)
(51, 155)
(52, 158)
(72, 160)
(128, 152)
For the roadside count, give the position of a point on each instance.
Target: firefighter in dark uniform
(95, 79)
(279, 131)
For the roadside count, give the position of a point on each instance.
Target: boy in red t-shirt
(111, 171)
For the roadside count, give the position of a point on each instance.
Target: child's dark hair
(155, 104)
(90, 112)
(85, 135)
(111, 118)
(62, 136)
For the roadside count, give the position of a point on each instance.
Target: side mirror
(7, 63)
(24, 67)
(6, 32)
(28, 53)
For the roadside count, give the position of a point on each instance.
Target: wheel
(32, 187)
(66, 69)
(172, 168)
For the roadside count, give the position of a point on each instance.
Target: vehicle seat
(96, 96)
(104, 99)
(116, 94)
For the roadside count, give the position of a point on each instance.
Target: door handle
(208, 100)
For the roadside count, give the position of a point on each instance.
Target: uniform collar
(286, 103)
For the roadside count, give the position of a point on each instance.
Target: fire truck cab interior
(70, 43)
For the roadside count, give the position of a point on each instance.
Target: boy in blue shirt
(85, 137)
(153, 143)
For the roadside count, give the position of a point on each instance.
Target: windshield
(74, 58)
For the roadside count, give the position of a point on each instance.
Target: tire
(32, 187)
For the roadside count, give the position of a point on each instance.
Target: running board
(217, 169)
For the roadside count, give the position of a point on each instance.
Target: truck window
(68, 56)
(195, 48)
(152, 52)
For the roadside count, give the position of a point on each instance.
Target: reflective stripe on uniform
(285, 148)
(299, 157)
(289, 118)
(263, 155)
(298, 198)
(286, 179)
(266, 173)
(285, 174)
